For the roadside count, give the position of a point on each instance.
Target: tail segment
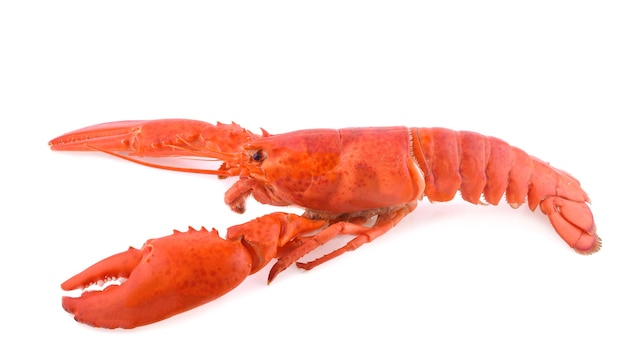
(479, 165)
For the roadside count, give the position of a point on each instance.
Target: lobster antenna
(160, 166)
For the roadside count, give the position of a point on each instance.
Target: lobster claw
(167, 276)
(157, 138)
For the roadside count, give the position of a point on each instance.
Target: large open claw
(176, 273)
(165, 277)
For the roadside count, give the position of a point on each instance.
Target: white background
(453, 283)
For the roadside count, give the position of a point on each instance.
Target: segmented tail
(482, 166)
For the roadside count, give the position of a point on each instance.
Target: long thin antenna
(159, 166)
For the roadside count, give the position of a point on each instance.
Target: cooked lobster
(359, 182)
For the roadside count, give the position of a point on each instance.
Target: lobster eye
(259, 155)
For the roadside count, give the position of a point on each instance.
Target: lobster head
(330, 171)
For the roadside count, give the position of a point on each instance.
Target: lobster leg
(363, 234)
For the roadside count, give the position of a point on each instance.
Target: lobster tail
(478, 165)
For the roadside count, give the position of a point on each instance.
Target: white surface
(453, 283)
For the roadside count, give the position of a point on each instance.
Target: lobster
(359, 182)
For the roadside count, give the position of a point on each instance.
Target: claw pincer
(166, 276)
(176, 273)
